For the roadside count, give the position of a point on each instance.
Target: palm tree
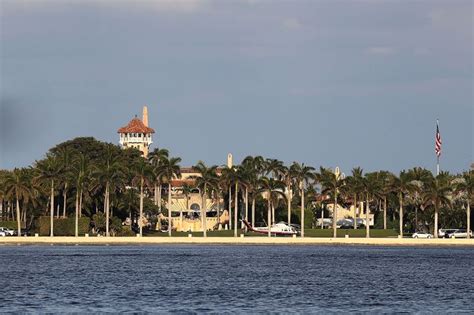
(81, 171)
(354, 188)
(302, 175)
(384, 191)
(65, 156)
(288, 176)
(331, 185)
(272, 188)
(49, 171)
(252, 173)
(465, 189)
(402, 186)
(437, 193)
(156, 157)
(273, 167)
(170, 169)
(142, 176)
(17, 186)
(419, 176)
(111, 175)
(371, 186)
(205, 183)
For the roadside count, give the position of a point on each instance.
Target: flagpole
(437, 165)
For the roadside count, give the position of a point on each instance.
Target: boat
(280, 228)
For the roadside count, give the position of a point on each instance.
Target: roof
(137, 126)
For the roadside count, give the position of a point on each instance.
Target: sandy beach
(31, 240)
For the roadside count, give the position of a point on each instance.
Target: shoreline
(71, 240)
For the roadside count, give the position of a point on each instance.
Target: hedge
(63, 226)
(12, 225)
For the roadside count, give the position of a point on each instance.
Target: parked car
(6, 231)
(459, 233)
(444, 233)
(24, 232)
(422, 235)
(2, 233)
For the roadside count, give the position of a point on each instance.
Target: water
(235, 279)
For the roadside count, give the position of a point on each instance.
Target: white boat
(280, 228)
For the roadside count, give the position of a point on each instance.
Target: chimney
(145, 116)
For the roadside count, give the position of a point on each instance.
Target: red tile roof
(136, 126)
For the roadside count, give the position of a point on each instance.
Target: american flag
(437, 141)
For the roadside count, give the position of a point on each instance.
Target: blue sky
(332, 83)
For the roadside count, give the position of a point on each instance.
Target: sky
(331, 83)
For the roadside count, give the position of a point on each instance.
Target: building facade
(136, 134)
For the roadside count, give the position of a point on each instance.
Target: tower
(137, 134)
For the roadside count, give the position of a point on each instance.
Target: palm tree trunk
(76, 226)
(246, 208)
(289, 204)
(401, 214)
(269, 215)
(204, 212)
(253, 211)
(169, 209)
(159, 197)
(155, 196)
(107, 233)
(322, 217)
(468, 219)
(236, 205)
(385, 212)
(273, 213)
(230, 206)
(64, 200)
(334, 216)
(355, 211)
(80, 204)
(51, 233)
(141, 208)
(57, 211)
(302, 210)
(367, 209)
(218, 209)
(18, 218)
(436, 221)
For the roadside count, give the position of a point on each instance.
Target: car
(6, 231)
(460, 233)
(2, 233)
(445, 233)
(422, 235)
(24, 232)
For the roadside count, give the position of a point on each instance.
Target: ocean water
(236, 279)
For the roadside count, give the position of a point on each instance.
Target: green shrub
(12, 225)
(63, 226)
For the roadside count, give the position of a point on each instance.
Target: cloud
(380, 50)
(292, 24)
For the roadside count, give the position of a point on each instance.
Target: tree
(253, 167)
(110, 174)
(371, 186)
(418, 176)
(81, 171)
(271, 188)
(288, 177)
(65, 157)
(354, 188)
(156, 158)
(437, 193)
(302, 175)
(169, 170)
(205, 183)
(49, 171)
(142, 177)
(402, 186)
(17, 187)
(331, 183)
(465, 188)
(384, 191)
